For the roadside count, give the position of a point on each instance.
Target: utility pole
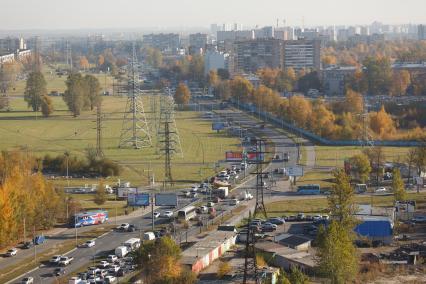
(75, 228)
(152, 212)
(99, 151)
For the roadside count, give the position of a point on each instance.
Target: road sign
(233, 156)
(295, 171)
(165, 199)
(138, 199)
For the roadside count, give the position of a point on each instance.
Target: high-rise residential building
(421, 30)
(165, 42)
(251, 55)
(197, 42)
(302, 54)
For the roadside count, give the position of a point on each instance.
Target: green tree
(93, 90)
(100, 195)
(336, 255)
(377, 157)
(35, 89)
(46, 106)
(182, 95)
(75, 95)
(158, 261)
(297, 276)
(362, 166)
(398, 186)
(309, 81)
(377, 75)
(420, 159)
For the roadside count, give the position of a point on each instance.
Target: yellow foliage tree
(382, 124)
(299, 110)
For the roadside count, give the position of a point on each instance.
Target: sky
(101, 14)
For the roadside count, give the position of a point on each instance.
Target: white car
(55, 259)
(113, 269)
(27, 280)
(103, 264)
(110, 279)
(168, 214)
(124, 226)
(112, 258)
(194, 188)
(12, 252)
(381, 189)
(156, 215)
(89, 244)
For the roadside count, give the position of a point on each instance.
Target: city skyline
(185, 14)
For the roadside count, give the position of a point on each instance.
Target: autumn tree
(223, 90)
(329, 60)
(362, 167)
(377, 157)
(46, 106)
(297, 277)
(35, 89)
(285, 80)
(398, 187)
(299, 110)
(354, 102)
(101, 60)
(84, 63)
(9, 72)
(241, 89)
(93, 90)
(322, 120)
(75, 96)
(400, 82)
(153, 56)
(100, 195)
(382, 124)
(212, 79)
(196, 68)
(223, 269)
(182, 95)
(268, 76)
(420, 159)
(377, 74)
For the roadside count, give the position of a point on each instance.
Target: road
(109, 241)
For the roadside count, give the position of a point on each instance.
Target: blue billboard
(138, 199)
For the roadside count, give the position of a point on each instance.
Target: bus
(89, 218)
(309, 189)
(132, 244)
(187, 213)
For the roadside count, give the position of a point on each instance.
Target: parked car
(168, 214)
(300, 216)
(131, 228)
(65, 260)
(75, 280)
(103, 264)
(194, 188)
(156, 215)
(109, 279)
(186, 193)
(234, 202)
(381, 189)
(194, 194)
(12, 252)
(58, 271)
(276, 221)
(113, 269)
(112, 258)
(27, 280)
(268, 227)
(210, 204)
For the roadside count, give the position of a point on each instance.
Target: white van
(121, 251)
(148, 236)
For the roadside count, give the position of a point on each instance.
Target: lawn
(319, 204)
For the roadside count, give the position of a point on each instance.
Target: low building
(7, 58)
(293, 241)
(334, 79)
(207, 250)
(288, 258)
(375, 228)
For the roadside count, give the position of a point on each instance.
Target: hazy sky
(77, 14)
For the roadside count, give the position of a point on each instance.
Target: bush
(223, 269)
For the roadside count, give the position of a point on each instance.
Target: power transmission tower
(135, 130)
(68, 54)
(250, 264)
(168, 150)
(260, 186)
(167, 114)
(99, 151)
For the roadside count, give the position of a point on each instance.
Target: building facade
(302, 54)
(334, 79)
(168, 43)
(421, 30)
(197, 42)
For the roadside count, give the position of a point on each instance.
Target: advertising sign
(165, 199)
(231, 156)
(138, 199)
(255, 156)
(123, 192)
(218, 126)
(295, 171)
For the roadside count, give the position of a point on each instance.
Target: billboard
(218, 126)
(255, 156)
(165, 199)
(231, 156)
(138, 199)
(123, 192)
(295, 171)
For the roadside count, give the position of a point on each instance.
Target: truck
(121, 251)
(65, 260)
(221, 192)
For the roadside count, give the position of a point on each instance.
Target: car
(124, 227)
(76, 280)
(113, 269)
(194, 188)
(317, 218)
(194, 194)
(168, 214)
(203, 209)
(110, 279)
(186, 193)
(263, 184)
(234, 202)
(300, 217)
(93, 270)
(103, 264)
(131, 228)
(210, 204)
(291, 218)
(65, 260)
(27, 280)
(419, 219)
(255, 228)
(93, 279)
(381, 189)
(102, 273)
(12, 252)
(58, 271)
(27, 245)
(112, 258)
(325, 217)
(89, 244)
(269, 227)
(156, 215)
(55, 259)
(276, 221)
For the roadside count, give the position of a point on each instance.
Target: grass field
(319, 205)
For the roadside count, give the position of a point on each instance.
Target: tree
(309, 81)
(153, 56)
(35, 89)
(223, 90)
(75, 96)
(336, 255)
(398, 186)
(322, 120)
(361, 166)
(241, 89)
(377, 157)
(410, 160)
(8, 75)
(299, 110)
(285, 80)
(46, 106)
(101, 60)
(93, 90)
(420, 159)
(354, 102)
(377, 74)
(329, 60)
(182, 95)
(297, 276)
(400, 82)
(223, 269)
(212, 79)
(341, 200)
(158, 261)
(84, 63)
(382, 124)
(100, 195)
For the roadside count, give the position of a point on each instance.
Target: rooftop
(302, 257)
